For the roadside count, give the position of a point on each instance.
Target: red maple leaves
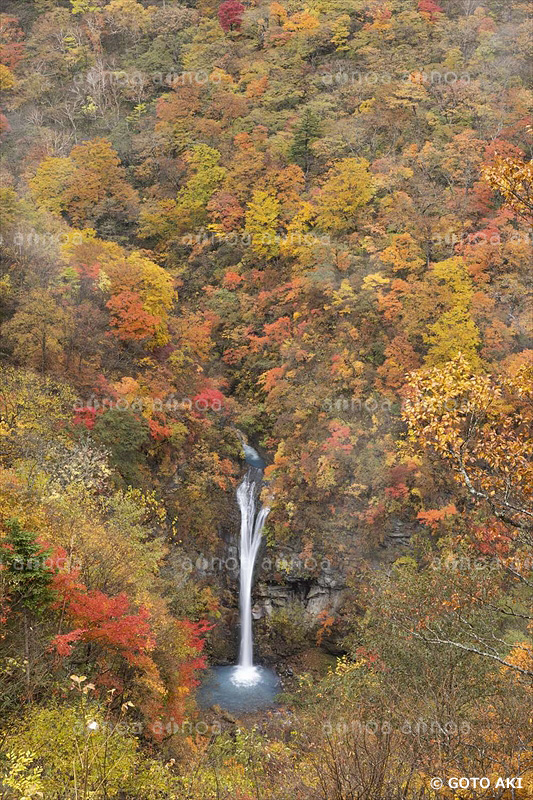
(429, 7)
(230, 15)
(116, 629)
(108, 621)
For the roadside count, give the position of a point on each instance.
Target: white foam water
(252, 524)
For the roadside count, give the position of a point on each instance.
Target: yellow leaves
(7, 79)
(84, 6)
(439, 395)
(88, 184)
(482, 425)
(348, 186)
(403, 253)
(222, 78)
(298, 238)
(115, 271)
(29, 403)
(302, 22)
(374, 281)
(128, 14)
(356, 489)
(78, 679)
(48, 186)
(156, 291)
(341, 32)
(453, 273)
(278, 14)
(455, 330)
(407, 95)
(21, 774)
(126, 387)
(521, 655)
(262, 219)
(367, 105)
(513, 179)
(345, 666)
(325, 477)
(206, 176)
(344, 298)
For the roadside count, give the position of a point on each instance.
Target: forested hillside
(308, 226)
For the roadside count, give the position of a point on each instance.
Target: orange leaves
(158, 430)
(231, 279)
(257, 87)
(130, 322)
(433, 517)
(62, 643)
(399, 492)
(278, 14)
(108, 621)
(339, 440)
(277, 331)
(142, 292)
(491, 539)
(11, 41)
(326, 621)
(521, 655)
(226, 212)
(89, 185)
(177, 106)
(114, 628)
(380, 14)
(193, 337)
(401, 358)
(301, 22)
(271, 378)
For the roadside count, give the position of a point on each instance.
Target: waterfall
(252, 524)
(244, 687)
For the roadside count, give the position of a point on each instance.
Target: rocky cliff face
(290, 590)
(283, 576)
(320, 593)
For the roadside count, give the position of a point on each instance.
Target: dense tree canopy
(309, 223)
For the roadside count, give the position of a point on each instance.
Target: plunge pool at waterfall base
(239, 689)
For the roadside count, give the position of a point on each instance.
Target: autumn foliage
(230, 15)
(306, 227)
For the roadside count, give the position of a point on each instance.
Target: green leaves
(28, 578)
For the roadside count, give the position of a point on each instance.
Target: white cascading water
(252, 524)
